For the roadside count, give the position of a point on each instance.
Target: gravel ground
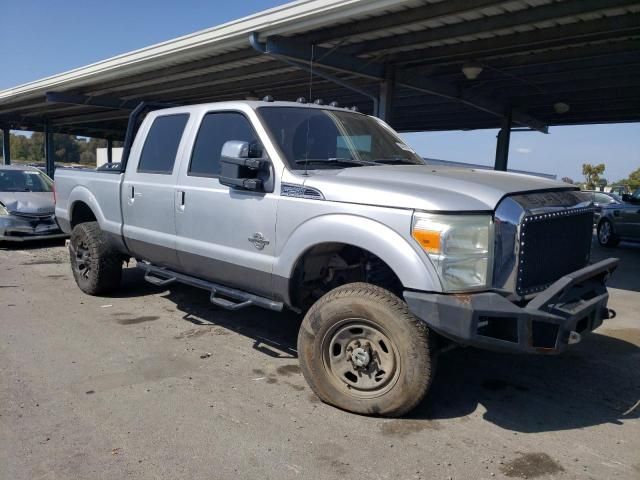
(157, 383)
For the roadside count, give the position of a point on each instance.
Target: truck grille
(552, 245)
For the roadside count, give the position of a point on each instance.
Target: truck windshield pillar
(6, 146)
(387, 88)
(502, 145)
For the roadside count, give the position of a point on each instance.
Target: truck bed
(100, 190)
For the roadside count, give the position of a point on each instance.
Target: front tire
(606, 234)
(363, 351)
(96, 266)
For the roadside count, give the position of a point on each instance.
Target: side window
(603, 199)
(161, 145)
(215, 130)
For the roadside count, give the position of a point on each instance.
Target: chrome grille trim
(508, 219)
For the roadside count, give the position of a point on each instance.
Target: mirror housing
(626, 197)
(243, 167)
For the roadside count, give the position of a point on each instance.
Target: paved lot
(113, 388)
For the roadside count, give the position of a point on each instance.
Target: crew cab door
(148, 190)
(224, 235)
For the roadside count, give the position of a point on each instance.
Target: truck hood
(425, 187)
(34, 203)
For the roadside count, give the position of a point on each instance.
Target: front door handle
(132, 195)
(181, 194)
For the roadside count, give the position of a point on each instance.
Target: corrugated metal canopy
(534, 54)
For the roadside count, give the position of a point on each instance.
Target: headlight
(3, 210)
(460, 247)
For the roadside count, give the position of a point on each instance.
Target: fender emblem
(259, 241)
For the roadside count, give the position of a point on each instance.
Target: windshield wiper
(345, 161)
(396, 159)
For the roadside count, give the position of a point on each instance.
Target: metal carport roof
(406, 54)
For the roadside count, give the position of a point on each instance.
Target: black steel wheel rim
(81, 259)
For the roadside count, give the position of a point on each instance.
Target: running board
(161, 277)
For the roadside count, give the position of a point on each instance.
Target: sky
(44, 37)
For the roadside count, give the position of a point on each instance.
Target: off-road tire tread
(106, 263)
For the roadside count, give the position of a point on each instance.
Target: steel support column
(502, 145)
(6, 145)
(387, 88)
(109, 150)
(48, 150)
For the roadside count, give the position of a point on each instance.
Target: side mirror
(626, 197)
(242, 166)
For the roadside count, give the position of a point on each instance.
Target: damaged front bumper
(17, 228)
(547, 324)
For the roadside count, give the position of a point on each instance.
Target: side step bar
(161, 277)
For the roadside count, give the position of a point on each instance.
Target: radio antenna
(306, 147)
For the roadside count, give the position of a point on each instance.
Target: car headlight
(3, 210)
(460, 247)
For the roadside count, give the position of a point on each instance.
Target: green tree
(66, 148)
(592, 174)
(634, 179)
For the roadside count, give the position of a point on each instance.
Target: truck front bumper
(576, 303)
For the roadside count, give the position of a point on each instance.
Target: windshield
(319, 138)
(24, 181)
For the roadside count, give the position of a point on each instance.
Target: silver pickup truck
(326, 211)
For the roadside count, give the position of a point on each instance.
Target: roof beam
(208, 80)
(175, 71)
(564, 36)
(432, 11)
(103, 102)
(529, 16)
(286, 48)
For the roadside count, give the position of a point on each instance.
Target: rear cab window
(161, 144)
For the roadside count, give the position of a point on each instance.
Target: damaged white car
(27, 205)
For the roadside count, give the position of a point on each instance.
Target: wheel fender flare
(412, 267)
(82, 194)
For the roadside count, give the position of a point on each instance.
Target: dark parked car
(620, 221)
(603, 199)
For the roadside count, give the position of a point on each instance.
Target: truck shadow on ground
(595, 383)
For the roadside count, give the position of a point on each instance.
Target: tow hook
(609, 313)
(574, 337)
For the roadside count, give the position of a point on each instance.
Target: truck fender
(414, 270)
(112, 227)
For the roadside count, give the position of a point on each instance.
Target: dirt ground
(157, 383)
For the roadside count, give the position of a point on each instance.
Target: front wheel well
(326, 266)
(81, 213)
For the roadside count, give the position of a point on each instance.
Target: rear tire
(606, 234)
(96, 266)
(363, 351)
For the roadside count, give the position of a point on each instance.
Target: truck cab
(326, 211)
